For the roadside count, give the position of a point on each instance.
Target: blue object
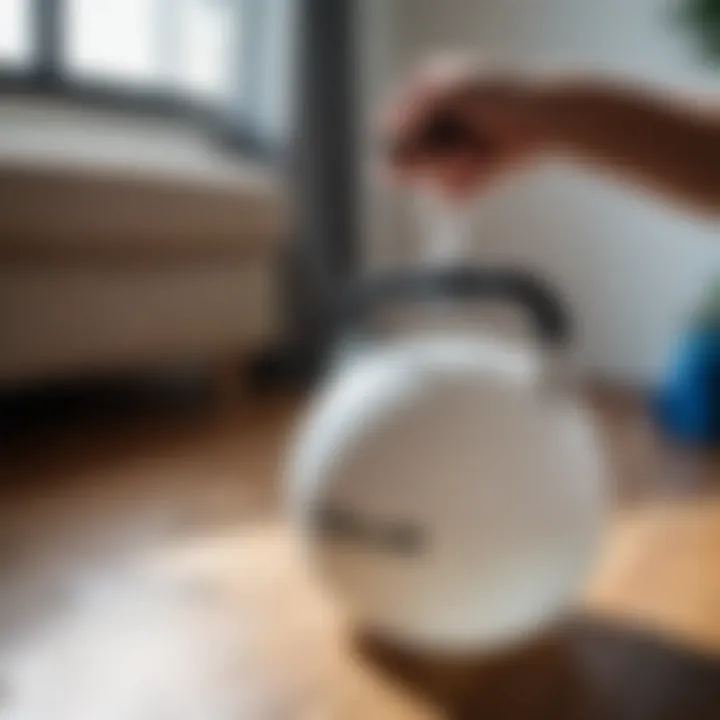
(688, 406)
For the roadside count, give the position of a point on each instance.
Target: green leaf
(702, 17)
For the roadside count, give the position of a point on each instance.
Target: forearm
(646, 138)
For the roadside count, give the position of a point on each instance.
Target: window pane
(16, 45)
(114, 40)
(209, 36)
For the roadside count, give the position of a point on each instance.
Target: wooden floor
(147, 575)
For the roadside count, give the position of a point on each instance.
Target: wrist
(524, 109)
(561, 109)
(547, 106)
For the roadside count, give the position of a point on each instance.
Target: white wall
(631, 267)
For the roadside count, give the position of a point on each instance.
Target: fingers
(488, 112)
(458, 175)
(435, 89)
(439, 89)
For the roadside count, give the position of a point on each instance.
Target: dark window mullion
(49, 40)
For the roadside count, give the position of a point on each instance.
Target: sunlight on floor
(224, 626)
(659, 570)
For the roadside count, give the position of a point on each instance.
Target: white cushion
(74, 180)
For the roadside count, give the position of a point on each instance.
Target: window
(191, 46)
(209, 53)
(16, 44)
(229, 57)
(106, 40)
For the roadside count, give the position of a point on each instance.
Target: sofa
(128, 242)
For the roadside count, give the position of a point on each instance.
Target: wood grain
(148, 573)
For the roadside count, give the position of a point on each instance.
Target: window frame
(44, 78)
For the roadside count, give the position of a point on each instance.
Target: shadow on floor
(44, 407)
(589, 670)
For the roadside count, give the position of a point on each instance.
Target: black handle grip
(550, 318)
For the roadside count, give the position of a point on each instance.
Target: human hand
(460, 129)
